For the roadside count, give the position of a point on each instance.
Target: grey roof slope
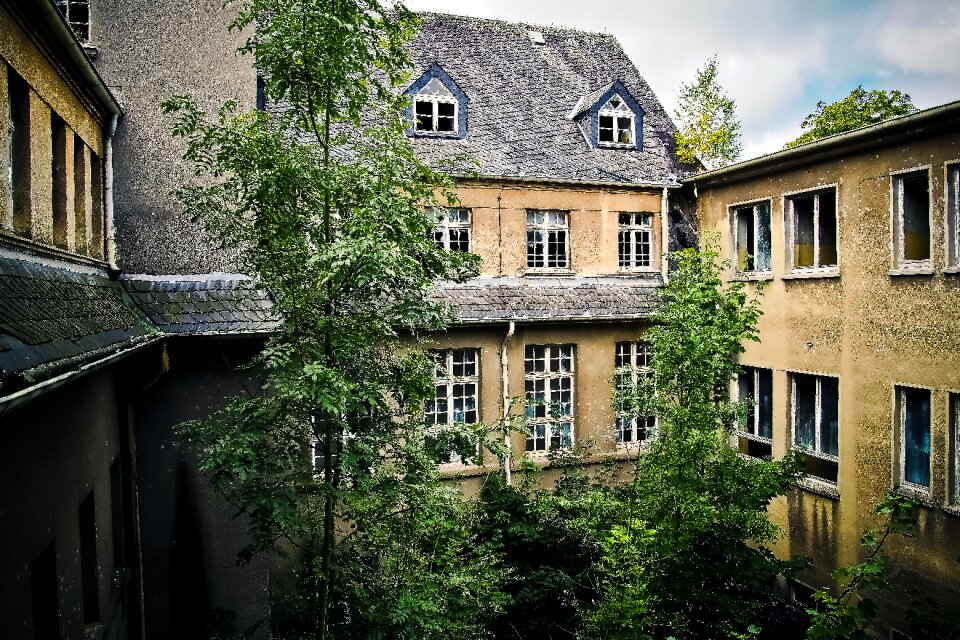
(214, 303)
(499, 299)
(53, 319)
(521, 95)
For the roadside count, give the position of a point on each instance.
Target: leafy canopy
(859, 109)
(334, 212)
(708, 129)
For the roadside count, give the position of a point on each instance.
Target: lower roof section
(567, 298)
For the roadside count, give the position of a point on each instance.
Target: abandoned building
(120, 318)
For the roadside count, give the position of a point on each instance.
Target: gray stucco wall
(150, 51)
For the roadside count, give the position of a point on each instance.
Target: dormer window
(436, 108)
(616, 123)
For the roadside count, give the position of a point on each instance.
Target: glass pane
(445, 109)
(745, 239)
(444, 123)
(916, 436)
(764, 403)
(803, 240)
(606, 129)
(804, 411)
(829, 416)
(828, 229)
(424, 112)
(916, 217)
(745, 395)
(763, 236)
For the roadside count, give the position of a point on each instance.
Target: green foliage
(859, 109)
(688, 557)
(708, 129)
(847, 615)
(338, 229)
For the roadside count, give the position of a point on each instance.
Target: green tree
(689, 556)
(859, 109)
(332, 210)
(708, 129)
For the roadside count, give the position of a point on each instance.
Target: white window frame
(434, 101)
(450, 380)
(638, 351)
(623, 111)
(953, 449)
(550, 422)
(632, 259)
(900, 445)
(790, 228)
(546, 228)
(951, 192)
(817, 451)
(754, 373)
(445, 224)
(733, 210)
(897, 239)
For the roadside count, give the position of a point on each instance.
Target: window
(635, 240)
(751, 233)
(453, 230)
(435, 109)
(953, 454)
(913, 435)
(548, 383)
(58, 131)
(547, 246)
(755, 387)
(911, 218)
(45, 595)
(77, 14)
(96, 196)
(89, 569)
(615, 123)
(456, 392)
(80, 194)
(812, 223)
(18, 140)
(632, 365)
(952, 192)
(816, 423)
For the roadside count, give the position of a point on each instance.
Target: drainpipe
(506, 400)
(664, 236)
(108, 195)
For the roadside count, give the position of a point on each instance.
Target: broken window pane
(548, 386)
(827, 228)
(424, 115)
(915, 216)
(453, 229)
(624, 130)
(915, 416)
(804, 411)
(764, 403)
(606, 129)
(745, 239)
(763, 236)
(456, 393)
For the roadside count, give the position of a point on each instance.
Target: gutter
(566, 181)
(505, 382)
(883, 133)
(110, 231)
(67, 40)
(18, 398)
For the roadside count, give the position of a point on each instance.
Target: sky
(777, 58)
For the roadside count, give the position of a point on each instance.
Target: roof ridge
(528, 25)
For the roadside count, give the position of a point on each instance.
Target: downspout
(108, 195)
(506, 400)
(664, 236)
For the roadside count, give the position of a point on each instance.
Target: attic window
(77, 14)
(616, 124)
(435, 107)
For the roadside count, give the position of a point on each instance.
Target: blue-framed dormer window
(610, 118)
(438, 106)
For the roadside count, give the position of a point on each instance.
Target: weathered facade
(858, 364)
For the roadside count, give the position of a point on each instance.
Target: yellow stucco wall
(874, 331)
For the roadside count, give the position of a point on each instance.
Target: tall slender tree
(708, 130)
(333, 212)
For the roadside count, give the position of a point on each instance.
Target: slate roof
(499, 299)
(214, 303)
(53, 319)
(521, 95)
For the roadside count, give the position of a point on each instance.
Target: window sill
(434, 134)
(615, 145)
(642, 271)
(952, 509)
(807, 275)
(549, 273)
(919, 270)
(819, 486)
(952, 270)
(17, 242)
(750, 436)
(752, 276)
(915, 492)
